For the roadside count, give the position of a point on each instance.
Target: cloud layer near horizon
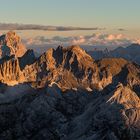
(15, 26)
(108, 40)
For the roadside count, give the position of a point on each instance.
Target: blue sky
(109, 14)
(86, 13)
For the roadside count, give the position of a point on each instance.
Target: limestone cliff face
(73, 68)
(68, 67)
(10, 72)
(14, 57)
(10, 44)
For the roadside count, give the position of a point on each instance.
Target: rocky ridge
(10, 44)
(65, 94)
(73, 63)
(130, 53)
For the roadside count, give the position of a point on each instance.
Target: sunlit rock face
(73, 68)
(11, 45)
(68, 67)
(67, 95)
(14, 57)
(10, 72)
(58, 65)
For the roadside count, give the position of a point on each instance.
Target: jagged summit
(10, 44)
(77, 50)
(65, 94)
(69, 67)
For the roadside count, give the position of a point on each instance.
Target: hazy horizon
(91, 22)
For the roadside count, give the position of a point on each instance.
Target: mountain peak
(76, 49)
(70, 52)
(11, 33)
(10, 44)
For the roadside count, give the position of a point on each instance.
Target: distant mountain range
(65, 94)
(131, 53)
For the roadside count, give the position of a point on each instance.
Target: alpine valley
(65, 94)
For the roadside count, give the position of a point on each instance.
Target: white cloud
(29, 41)
(79, 40)
(94, 40)
(137, 41)
(114, 37)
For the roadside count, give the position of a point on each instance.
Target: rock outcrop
(73, 63)
(10, 44)
(67, 95)
(10, 72)
(51, 114)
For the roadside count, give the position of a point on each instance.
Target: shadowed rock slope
(79, 115)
